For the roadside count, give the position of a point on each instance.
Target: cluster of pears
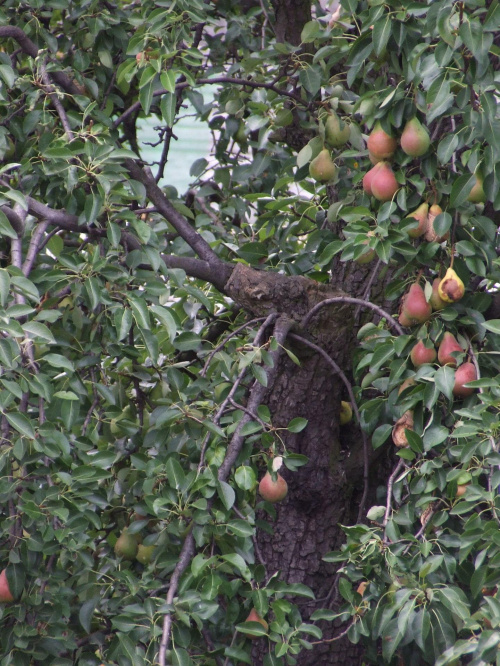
(380, 181)
(337, 132)
(414, 307)
(128, 547)
(422, 354)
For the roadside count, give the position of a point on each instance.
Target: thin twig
(390, 485)
(54, 98)
(355, 301)
(226, 340)
(335, 638)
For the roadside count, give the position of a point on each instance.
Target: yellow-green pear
(415, 140)
(451, 288)
(337, 132)
(345, 412)
(322, 167)
(477, 194)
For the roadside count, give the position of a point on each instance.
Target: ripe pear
(126, 546)
(367, 179)
(410, 381)
(337, 132)
(435, 300)
(361, 589)
(253, 616)
(448, 345)
(414, 307)
(451, 288)
(420, 354)
(273, 491)
(430, 233)
(477, 194)
(345, 412)
(463, 374)
(399, 430)
(421, 215)
(380, 144)
(322, 168)
(383, 183)
(415, 140)
(461, 489)
(5, 593)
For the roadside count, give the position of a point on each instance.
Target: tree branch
(355, 301)
(31, 49)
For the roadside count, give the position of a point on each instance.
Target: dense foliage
(134, 397)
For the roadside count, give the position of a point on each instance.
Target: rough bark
(290, 17)
(323, 493)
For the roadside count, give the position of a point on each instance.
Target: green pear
(322, 167)
(477, 194)
(415, 140)
(337, 132)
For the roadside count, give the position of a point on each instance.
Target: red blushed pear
(253, 616)
(380, 144)
(451, 288)
(383, 183)
(5, 593)
(367, 179)
(463, 374)
(415, 140)
(421, 215)
(273, 491)
(435, 300)
(414, 308)
(448, 345)
(420, 354)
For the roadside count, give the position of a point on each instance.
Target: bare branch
(390, 484)
(34, 247)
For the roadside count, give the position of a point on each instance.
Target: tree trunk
(290, 18)
(324, 493)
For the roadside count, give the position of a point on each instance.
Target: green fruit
(477, 194)
(126, 546)
(336, 131)
(144, 554)
(322, 167)
(415, 140)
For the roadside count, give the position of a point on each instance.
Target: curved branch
(347, 384)
(31, 49)
(178, 221)
(354, 301)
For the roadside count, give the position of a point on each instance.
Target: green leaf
(4, 286)
(22, 424)
(245, 477)
(492, 325)
(310, 31)
(38, 331)
(59, 361)
(175, 473)
(381, 33)
(16, 578)
(6, 227)
(297, 424)
(226, 494)
(139, 311)
(86, 613)
(461, 189)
